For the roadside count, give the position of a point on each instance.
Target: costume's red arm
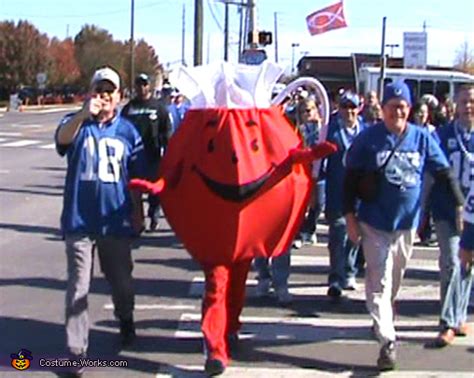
(147, 186)
(317, 151)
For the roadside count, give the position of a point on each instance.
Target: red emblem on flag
(326, 19)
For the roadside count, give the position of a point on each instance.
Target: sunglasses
(104, 89)
(309, 110)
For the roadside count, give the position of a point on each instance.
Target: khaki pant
(386, 255)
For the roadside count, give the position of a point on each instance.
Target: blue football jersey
(101, 161)
(457, 145)
(397, 206)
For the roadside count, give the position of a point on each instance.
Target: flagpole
(383, 61)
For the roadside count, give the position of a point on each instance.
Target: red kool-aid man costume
(235, 183)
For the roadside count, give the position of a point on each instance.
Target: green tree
(23, 54)
(94, 48)
(146, 60)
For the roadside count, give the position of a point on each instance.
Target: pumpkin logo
(21, 360)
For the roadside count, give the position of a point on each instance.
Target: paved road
(314, 337)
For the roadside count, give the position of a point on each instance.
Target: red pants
(222, 304)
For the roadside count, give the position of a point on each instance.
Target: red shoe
(463, 330)
(445, 338)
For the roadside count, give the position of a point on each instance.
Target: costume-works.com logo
(21, 360)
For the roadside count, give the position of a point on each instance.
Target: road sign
(414, 50)
(41, 78)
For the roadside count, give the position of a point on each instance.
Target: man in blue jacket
(386, 224)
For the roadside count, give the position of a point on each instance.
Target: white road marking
(50, 146)
(331, 330)
(142, 307)
(9, 134)
(188, 371)
(21, 143)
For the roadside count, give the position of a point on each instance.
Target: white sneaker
(351, 284)
(313, 240)
(297, 243)
(283, 296)
(263, 287)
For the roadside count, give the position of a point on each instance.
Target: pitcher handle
(315, 84)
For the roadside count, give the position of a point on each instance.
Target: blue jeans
(342, 252)
(278, 270)
(311, 219)
(455, 283)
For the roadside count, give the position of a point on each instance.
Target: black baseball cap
(142, 79)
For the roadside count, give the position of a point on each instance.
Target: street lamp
(392, 46)
(293, 46)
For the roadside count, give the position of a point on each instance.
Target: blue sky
(448, 23)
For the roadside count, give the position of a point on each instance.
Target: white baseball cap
(108, 74)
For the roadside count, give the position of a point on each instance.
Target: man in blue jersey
(342, 130)
(386, 223)
(103, 152)
(466, 244)
(457, 142)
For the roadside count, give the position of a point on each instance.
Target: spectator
(103, 152)
(150, 118)
(309, 128)
(457, 142)
(372, 114)
(399, 152)
(342, 252)
(466, 245)
(420, 116)
(177, 108)
(371, 110)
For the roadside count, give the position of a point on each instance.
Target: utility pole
(183, 35)
(275, 32)
(226, 31)
(132, 46)
(383, 61)
(252, 9)
(241, 31)
(198, 32)
(293, 46)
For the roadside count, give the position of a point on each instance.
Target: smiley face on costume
(218, 197)
(234, 159)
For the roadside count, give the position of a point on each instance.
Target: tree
(64, 69)
(94, 48)
(23, 54)
(464, 60)
(146, 60)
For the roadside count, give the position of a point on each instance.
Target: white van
(442, 84)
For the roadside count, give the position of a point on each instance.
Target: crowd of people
(417, 157)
